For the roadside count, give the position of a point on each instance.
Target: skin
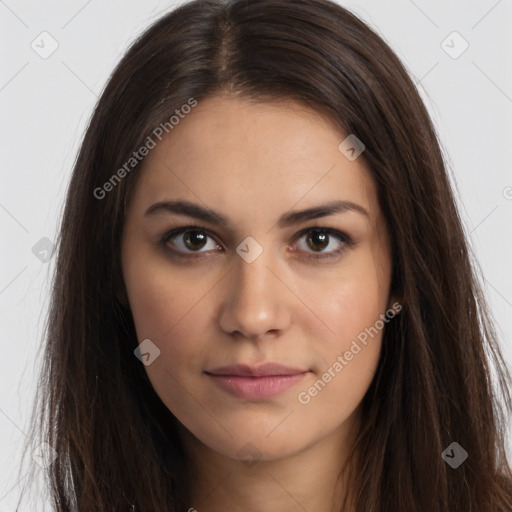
(252, 163)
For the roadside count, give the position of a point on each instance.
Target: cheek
(353, 301)
(351, 305)
(166, 309)
(161, 296)
(153, 306)
(348, 358)
(169, 308)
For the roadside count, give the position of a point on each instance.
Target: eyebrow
(287, 219)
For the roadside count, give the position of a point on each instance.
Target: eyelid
(345, 240)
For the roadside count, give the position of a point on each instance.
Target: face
(221, 268)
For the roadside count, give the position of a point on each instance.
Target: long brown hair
(116, 441)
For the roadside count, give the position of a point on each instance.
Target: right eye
(189, 241)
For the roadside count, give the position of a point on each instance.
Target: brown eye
(315, 243)
(194, 240)
(317, 240)
(189, 241)
(318, 243)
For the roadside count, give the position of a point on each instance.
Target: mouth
(256, 382)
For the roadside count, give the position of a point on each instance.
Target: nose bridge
(254, 280)
(256, 301)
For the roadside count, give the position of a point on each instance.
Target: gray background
(45, 104)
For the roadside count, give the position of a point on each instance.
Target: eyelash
(347, 242)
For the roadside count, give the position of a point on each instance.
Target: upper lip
(261, 370)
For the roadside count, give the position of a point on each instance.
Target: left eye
(317, 241)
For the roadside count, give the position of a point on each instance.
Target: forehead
(253, 158)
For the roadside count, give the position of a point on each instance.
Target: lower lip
(254, 388)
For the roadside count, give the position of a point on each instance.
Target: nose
(256, 304)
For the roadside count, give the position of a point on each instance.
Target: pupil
(194, 239)
(318, 239)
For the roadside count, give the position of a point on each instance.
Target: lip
(261, 370)
(255, 383)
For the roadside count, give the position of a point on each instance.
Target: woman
(263, 296)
